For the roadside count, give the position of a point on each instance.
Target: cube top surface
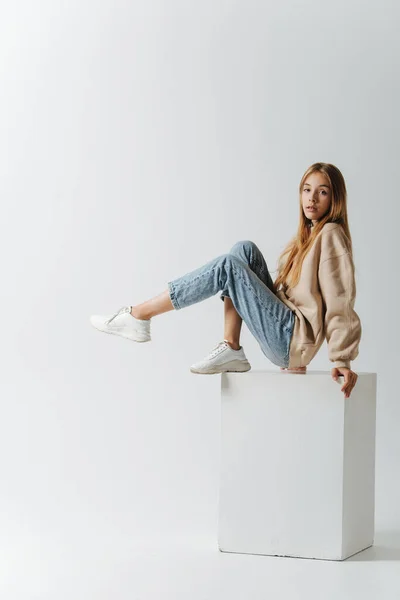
(283, 373)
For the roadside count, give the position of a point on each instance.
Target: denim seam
(172, 290)
(253, 264)
(289, 342)
(173, 295)
(262, 304)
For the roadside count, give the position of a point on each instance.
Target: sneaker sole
(124, 335)
(234, 366)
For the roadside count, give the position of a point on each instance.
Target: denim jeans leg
(269, 320)
(250, 253)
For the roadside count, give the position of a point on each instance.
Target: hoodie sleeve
(341, 322)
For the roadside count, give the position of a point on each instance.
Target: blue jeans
(242, 275)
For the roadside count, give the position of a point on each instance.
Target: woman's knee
(232, 261)
(243, 247)
(243, 244)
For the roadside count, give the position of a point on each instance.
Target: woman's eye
(323, 191)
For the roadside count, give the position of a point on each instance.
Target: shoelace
(124, 309)
(218, 349)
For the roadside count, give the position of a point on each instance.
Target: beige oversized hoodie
(323, 302)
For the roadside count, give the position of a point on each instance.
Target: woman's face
(316, 193)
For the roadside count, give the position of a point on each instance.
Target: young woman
(311, 299)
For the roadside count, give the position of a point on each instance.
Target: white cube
(297, 464)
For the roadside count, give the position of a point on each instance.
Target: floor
(113, 568)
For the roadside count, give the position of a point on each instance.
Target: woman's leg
(246, 251)
(232, 324)
(267, 317)
(155, 306)
(232, 320)
(251, 255)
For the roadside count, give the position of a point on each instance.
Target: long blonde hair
(289, 271)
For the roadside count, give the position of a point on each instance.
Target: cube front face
(282, 465)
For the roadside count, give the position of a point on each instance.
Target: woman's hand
(350, 379)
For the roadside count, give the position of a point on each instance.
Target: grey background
(138, 141)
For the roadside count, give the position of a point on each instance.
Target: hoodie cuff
(342, 363)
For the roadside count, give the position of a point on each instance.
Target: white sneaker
(222, 359)
(124, 324)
